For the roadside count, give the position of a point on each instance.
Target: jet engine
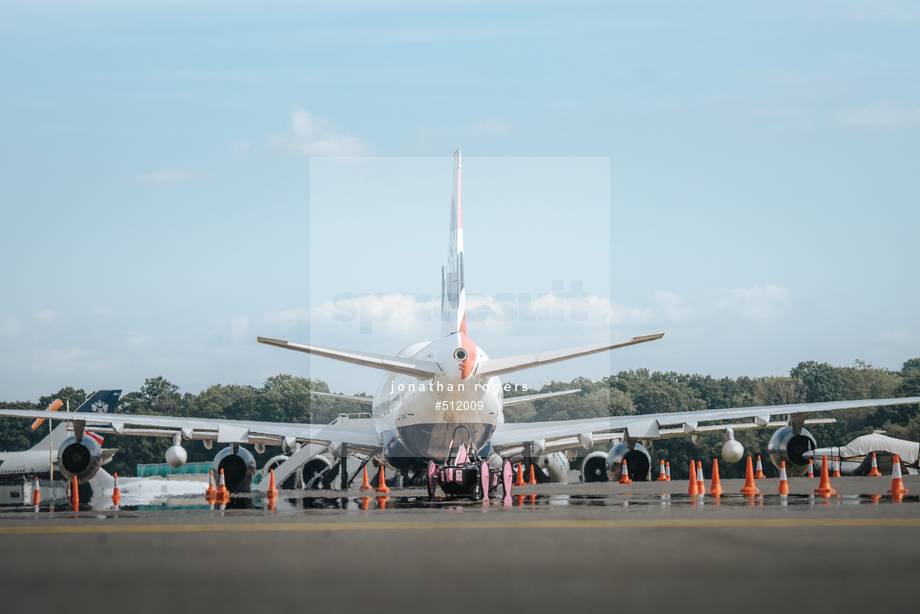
(556, 466)
(239, 467)
(80, 459)
(323, 464)
(786, 446)
(594, 467)
(638, 462)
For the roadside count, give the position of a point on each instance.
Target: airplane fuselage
(417, 419)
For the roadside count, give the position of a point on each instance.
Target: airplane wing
(359, 434)
(567, 434)
(395, 364)
(345, 397)
(535, 397)
(501, 366)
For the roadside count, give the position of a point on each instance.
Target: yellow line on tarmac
(309, 527)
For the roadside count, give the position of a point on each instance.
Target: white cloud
(46, 316)
(9, 326)
(898, 336)
(286, 320)
(311, 135)
(164, 177)
(882, 115)
(759, 303)
(240, 146)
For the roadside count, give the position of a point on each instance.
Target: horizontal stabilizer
(345, 397)
(533, 397)
(395, 364)
(501, 366)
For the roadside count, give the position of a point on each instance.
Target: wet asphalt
(552, 547)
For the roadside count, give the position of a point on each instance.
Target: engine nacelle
(638, 462)
(239, 467)
(556, 466)
(594, 467)
(176, 456)
(786, 446)
(732, 451)
(80, 459)
(319, 464)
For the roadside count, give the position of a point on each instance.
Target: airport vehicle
(431, 388)
(60, 449)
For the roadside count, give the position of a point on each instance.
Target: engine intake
(638, 462)
(239, 467)
(594, 467)
(321, 464)
(82, 459)
(786, 446)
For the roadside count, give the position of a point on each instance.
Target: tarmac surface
(551, 547)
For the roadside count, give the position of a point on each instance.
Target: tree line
(286, 398)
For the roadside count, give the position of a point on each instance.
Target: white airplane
(51, 451)
(449, 389)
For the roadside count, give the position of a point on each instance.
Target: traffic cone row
(874, 472)
(758, 475)
(116, 493)
(749, 488)
(824, 489)
(897, 491)
(624, 474)
(836, 468)
(520, 476)
(662, 473)
(783, 482)
(223, 495)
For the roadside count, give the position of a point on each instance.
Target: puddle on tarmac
(254, 505)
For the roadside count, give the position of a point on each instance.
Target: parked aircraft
(433, 390)
(57, 450)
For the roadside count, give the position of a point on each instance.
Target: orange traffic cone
(749, 489)
(36, 493)
(716, 488)
(667, 469)
(662, 474)
(116, 493)
(875, 472)
(272, 493)
(210, 494)
(223, 495)
(75, 495)
(700, 486)
(758, 475)
(533, 478)
(624, 474)
(897, 491)
(365, 484)
(783, 482)
(836, 473)
(382, 483)
(824, 488)
(693, 490)
(811, 469)
(520, 476)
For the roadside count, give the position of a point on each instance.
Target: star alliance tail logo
(100, 407)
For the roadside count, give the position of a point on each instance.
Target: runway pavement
(566, 548)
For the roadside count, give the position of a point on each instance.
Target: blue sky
(156, 182)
